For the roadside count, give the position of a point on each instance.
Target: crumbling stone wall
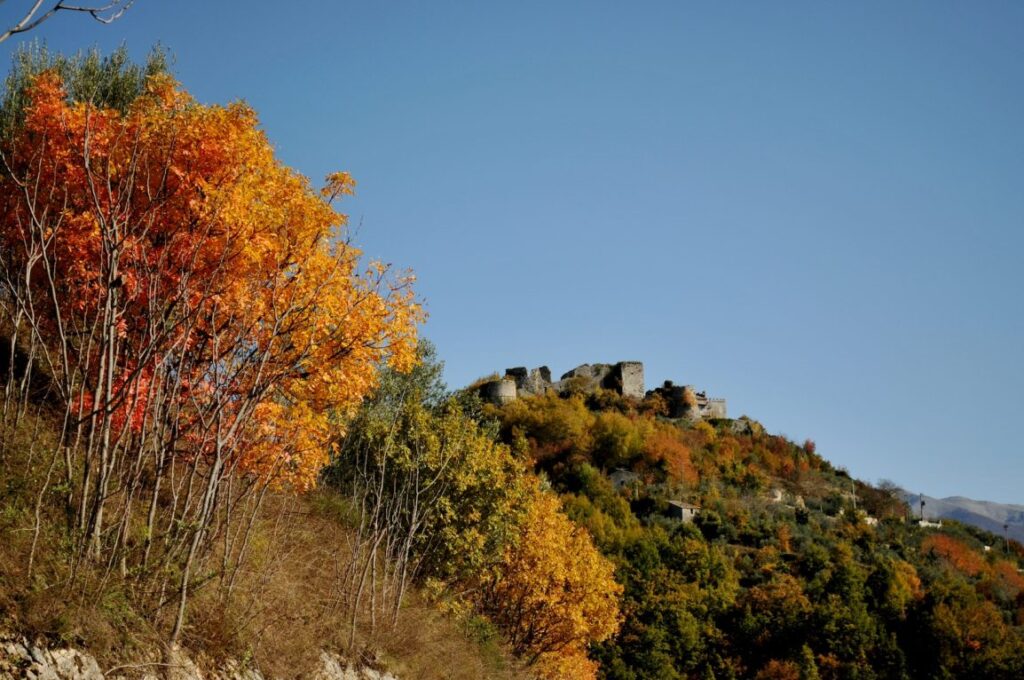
(500, 391)
(686, 402)
(536, 381)
(630, 375)
(625, 377)
(715, 408)
(589, 377)
(681, 400)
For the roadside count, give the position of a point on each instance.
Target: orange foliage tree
(664, 444)
(955, 553)
(199, 315)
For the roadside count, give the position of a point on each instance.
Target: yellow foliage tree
(553, 593)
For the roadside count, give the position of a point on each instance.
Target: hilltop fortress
(625, 378)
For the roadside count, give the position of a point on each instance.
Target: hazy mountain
(983, 514)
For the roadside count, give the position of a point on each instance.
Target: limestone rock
(20, 659)
(334, 667)
(180, 666)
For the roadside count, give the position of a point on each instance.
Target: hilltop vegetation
(791, 569)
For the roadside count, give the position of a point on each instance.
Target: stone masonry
(684, 401)
(625, 378)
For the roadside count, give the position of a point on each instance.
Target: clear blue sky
(813, 209)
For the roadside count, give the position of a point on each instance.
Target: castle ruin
(684, 401)
(625, 378)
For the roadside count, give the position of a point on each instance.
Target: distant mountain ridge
(985, 515)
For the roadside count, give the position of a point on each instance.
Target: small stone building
(682, 511)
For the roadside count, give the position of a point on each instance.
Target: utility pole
(922, 506)
(1006, 538)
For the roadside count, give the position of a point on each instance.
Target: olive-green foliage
(596, 506)
(556, 428)
(111, 81)
(618, 439)
(437, 475)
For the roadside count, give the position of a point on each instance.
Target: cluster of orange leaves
(665, 443)
(956, 553)
(229, 264)
(999, 574)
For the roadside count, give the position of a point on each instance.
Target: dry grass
(96, 611)
(285, 604)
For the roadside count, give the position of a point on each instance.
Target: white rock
(21, 661)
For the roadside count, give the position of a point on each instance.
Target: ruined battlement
(686, 402)
(625, 378)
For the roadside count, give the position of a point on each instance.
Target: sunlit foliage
(553, 593)
(193, 304)
(780, 575)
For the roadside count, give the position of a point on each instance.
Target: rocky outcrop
(23, 660)
(335, 668)
(746, 426)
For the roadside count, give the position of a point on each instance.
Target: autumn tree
(552, 428)
(553, 594)
(433, 495)
(664, 446)
(197, 311)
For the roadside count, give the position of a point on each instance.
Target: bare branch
(105, 14)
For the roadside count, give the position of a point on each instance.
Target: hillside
(744, 554)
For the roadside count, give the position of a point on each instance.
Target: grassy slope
(281, 613)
